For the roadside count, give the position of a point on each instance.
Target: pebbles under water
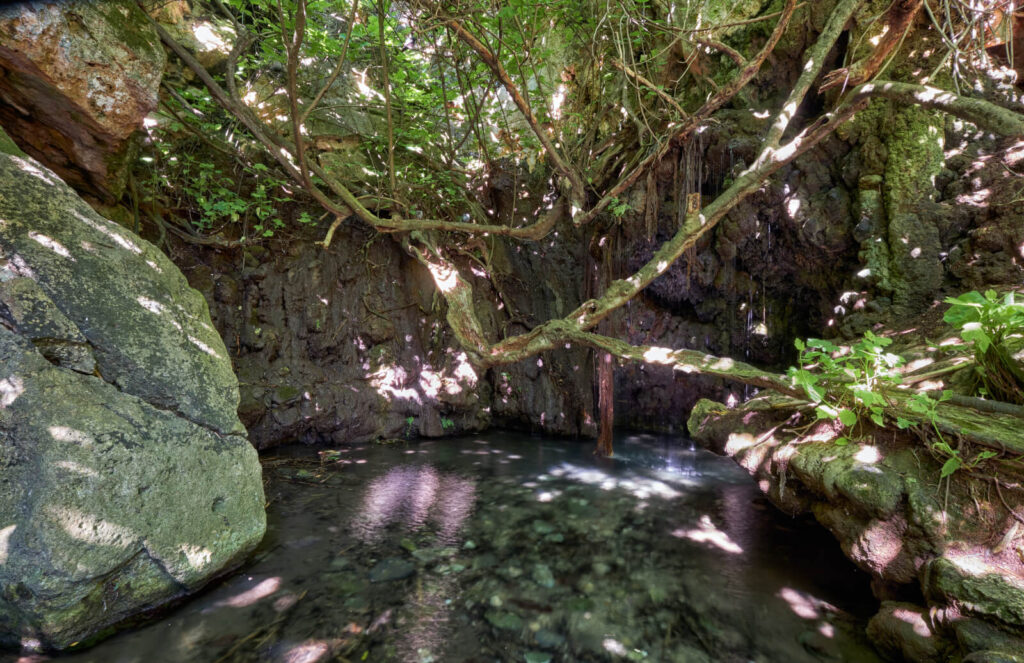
(505, 547)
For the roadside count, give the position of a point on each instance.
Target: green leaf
(842, 441)
(878, 419)
(902, 423)
(974, 332)
(848, 417)
(826, 411)
(821, 344)
(950, 466)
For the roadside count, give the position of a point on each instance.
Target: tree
(436, 66)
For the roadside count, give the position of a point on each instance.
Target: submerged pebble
(392, 569)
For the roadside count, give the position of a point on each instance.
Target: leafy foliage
(987, 322)
(844, 384)
(849, 383)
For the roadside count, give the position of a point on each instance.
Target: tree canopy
(397, 115)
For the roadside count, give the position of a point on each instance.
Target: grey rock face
(34, 315)
(149, 331)
(125, 476)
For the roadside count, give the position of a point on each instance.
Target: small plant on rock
(845, 382)
(987, 322)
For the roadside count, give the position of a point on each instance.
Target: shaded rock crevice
(82, 121)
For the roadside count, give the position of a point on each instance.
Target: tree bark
(605, 403)
(985, 114)
(898, 20)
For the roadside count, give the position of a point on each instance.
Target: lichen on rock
(126, 479)
(77, 80)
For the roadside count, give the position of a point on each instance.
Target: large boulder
(126, 479)
(76, 80)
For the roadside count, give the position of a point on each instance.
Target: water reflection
(413, 497)
(488, 548)
(418, 497)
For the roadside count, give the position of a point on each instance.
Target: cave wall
(350, 343)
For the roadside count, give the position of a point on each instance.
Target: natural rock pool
(504, 547)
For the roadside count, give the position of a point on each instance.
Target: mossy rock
(126, 480)
(984, 592)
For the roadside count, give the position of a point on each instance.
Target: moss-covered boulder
(944, 555)
(149, 331)
(126, 479)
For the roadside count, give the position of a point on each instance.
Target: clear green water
(506, 547)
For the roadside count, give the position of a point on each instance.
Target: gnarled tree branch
(683, 130)
(985, 114)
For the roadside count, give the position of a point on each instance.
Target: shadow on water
(510, 548)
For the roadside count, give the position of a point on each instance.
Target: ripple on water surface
(510, 548)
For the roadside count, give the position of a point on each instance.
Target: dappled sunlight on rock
(868, 454)
(90, 529)
(34, 170)
(880, 542)
(308, 652)
(10, 389)
(65, 434)
(77, 468)
(110, 229)
(389, 381)
(203, 346)
(914, 619)
(151, 305)
(801, 604)
(51, 244)
(198, 557)
(5, 540)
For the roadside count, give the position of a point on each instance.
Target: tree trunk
(605, 403)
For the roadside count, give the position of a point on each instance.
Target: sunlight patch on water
(412, 496)
(707, 532)
(639, 486)
(261, 591)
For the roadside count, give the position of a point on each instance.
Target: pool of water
(506, 547)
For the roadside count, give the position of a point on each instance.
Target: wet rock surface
(510, 548)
